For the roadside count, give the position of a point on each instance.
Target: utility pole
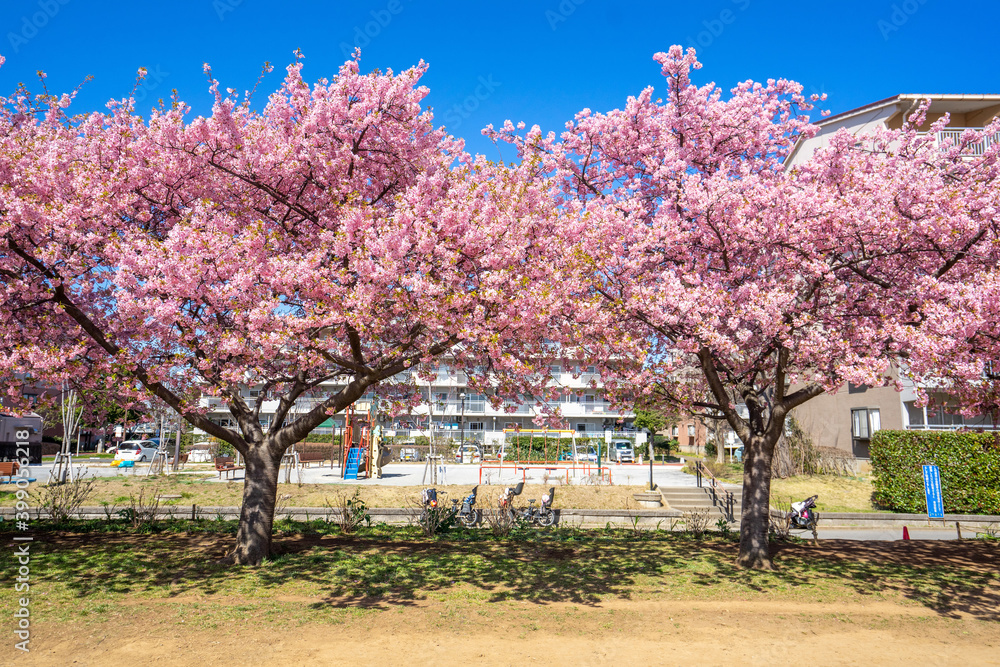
(177, 444)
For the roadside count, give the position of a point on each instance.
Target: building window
(914, 414)
(856, 388)
(673, 431)
(581, 428)
(475, 426)
(864, 422)
(690, 430)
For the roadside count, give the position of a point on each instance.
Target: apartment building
(848, 418)
(449, 408)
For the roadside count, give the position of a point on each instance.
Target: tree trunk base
(245, 557)
(755, 561)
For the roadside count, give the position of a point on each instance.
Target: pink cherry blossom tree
(334, 239)
(715, 276)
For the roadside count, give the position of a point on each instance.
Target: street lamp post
(462, 396)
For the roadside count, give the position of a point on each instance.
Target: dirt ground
(612, 633)
(453, 626)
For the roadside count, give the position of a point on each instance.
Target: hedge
(969, 464)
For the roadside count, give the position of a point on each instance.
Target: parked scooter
(467, 515)
(804, 514)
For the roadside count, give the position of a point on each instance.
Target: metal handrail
(715, 487)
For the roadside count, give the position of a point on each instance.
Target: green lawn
(89, 574)
(836, 494)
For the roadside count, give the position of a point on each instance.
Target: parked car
(590, 454)
(136, 450)
(621, 451)
(408, 451)
(469, 451)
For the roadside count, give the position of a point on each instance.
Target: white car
(622, 452)
(470, 452)
(587, 455)
(136, 450)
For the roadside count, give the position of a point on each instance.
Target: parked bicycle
(467, 515)
(505, 504)
(543, 515)
(429, 501)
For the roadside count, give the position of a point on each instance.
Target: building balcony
(953, 135)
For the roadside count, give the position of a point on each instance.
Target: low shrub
(969, 464)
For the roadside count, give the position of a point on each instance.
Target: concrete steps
(686, 499)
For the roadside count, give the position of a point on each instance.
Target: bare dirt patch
(622, 632)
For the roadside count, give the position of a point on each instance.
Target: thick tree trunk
(782, 464)
(260, 491)
(754, 552)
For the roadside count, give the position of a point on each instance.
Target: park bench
(307, 457)
(225, 464)
(8, 469)
(180, 461)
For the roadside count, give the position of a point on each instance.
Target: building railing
(974, 149)
(952, 427)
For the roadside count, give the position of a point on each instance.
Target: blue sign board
(932, 491)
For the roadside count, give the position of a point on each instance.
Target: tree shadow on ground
(399, 568)
(951, 577)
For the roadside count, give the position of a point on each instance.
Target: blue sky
(539, 62)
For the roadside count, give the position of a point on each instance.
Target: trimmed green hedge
(969, 463)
